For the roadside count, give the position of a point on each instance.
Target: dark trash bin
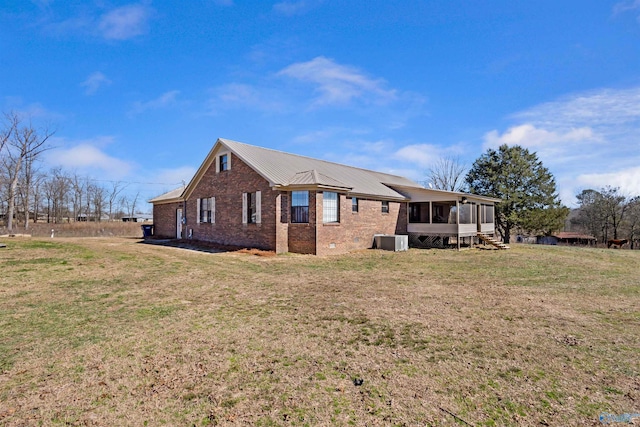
(147, 230)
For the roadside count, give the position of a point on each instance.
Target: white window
(300, 206)
(385, 206)
(206, 210)
(330, 204)
(223, 162)
(251, 208)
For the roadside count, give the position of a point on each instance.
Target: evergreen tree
(527, 190)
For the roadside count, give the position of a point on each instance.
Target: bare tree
(96, 196)
(130, 204)
(37, 194)
(603, 213)
(78, 186)
(116, 188)
(632, 220)
(6, 132)
(447, 173)
(26, 188)
(12, 121)
(591, 215)
(25, 143)
(615, 207)
(56, 191)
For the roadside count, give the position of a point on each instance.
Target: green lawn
(113, 332)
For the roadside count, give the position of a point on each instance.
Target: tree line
(529, 200)
(608, 214)
(30, 194)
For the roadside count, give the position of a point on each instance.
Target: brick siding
(302, 237)
(227, 187)
(165, 220)
(354, 230)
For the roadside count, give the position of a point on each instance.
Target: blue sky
(139, 91)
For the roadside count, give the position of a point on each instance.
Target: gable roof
(290, 171)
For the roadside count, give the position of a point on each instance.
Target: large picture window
(330, 207)
(300, 206)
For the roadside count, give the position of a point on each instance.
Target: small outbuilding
(569, 238)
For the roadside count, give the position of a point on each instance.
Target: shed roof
(572, 235)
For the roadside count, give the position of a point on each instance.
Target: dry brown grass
(113, 332)
(79, 229)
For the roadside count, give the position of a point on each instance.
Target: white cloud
(94, 82)
(35, 110)
(628, 180)
(121, 23)
(238, 95)
(604, 107)
(313, 137)
(338, 84)
(165, 100)
(175, 176)
(290, 8)
(42, 4)
(551, 145)
(421, 154)
(586, 139)
(86, 156)
(76, 24)
(124, 22)
(625, 6)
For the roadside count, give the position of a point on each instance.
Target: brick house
(249, 196)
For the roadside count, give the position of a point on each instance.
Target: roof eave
(310, 187)
(378, 197)
(454, 193)
(165, 201)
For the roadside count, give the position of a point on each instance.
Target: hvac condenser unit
(391, 242)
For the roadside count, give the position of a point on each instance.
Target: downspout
(185, 230)
(458, 222)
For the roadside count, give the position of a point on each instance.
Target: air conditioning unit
(391, 242)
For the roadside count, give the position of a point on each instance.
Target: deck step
(493, 242)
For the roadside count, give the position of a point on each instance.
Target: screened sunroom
(439, 218)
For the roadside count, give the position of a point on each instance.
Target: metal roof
(312, 177)
(291, 171)
(168, 197)
(285, 169)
